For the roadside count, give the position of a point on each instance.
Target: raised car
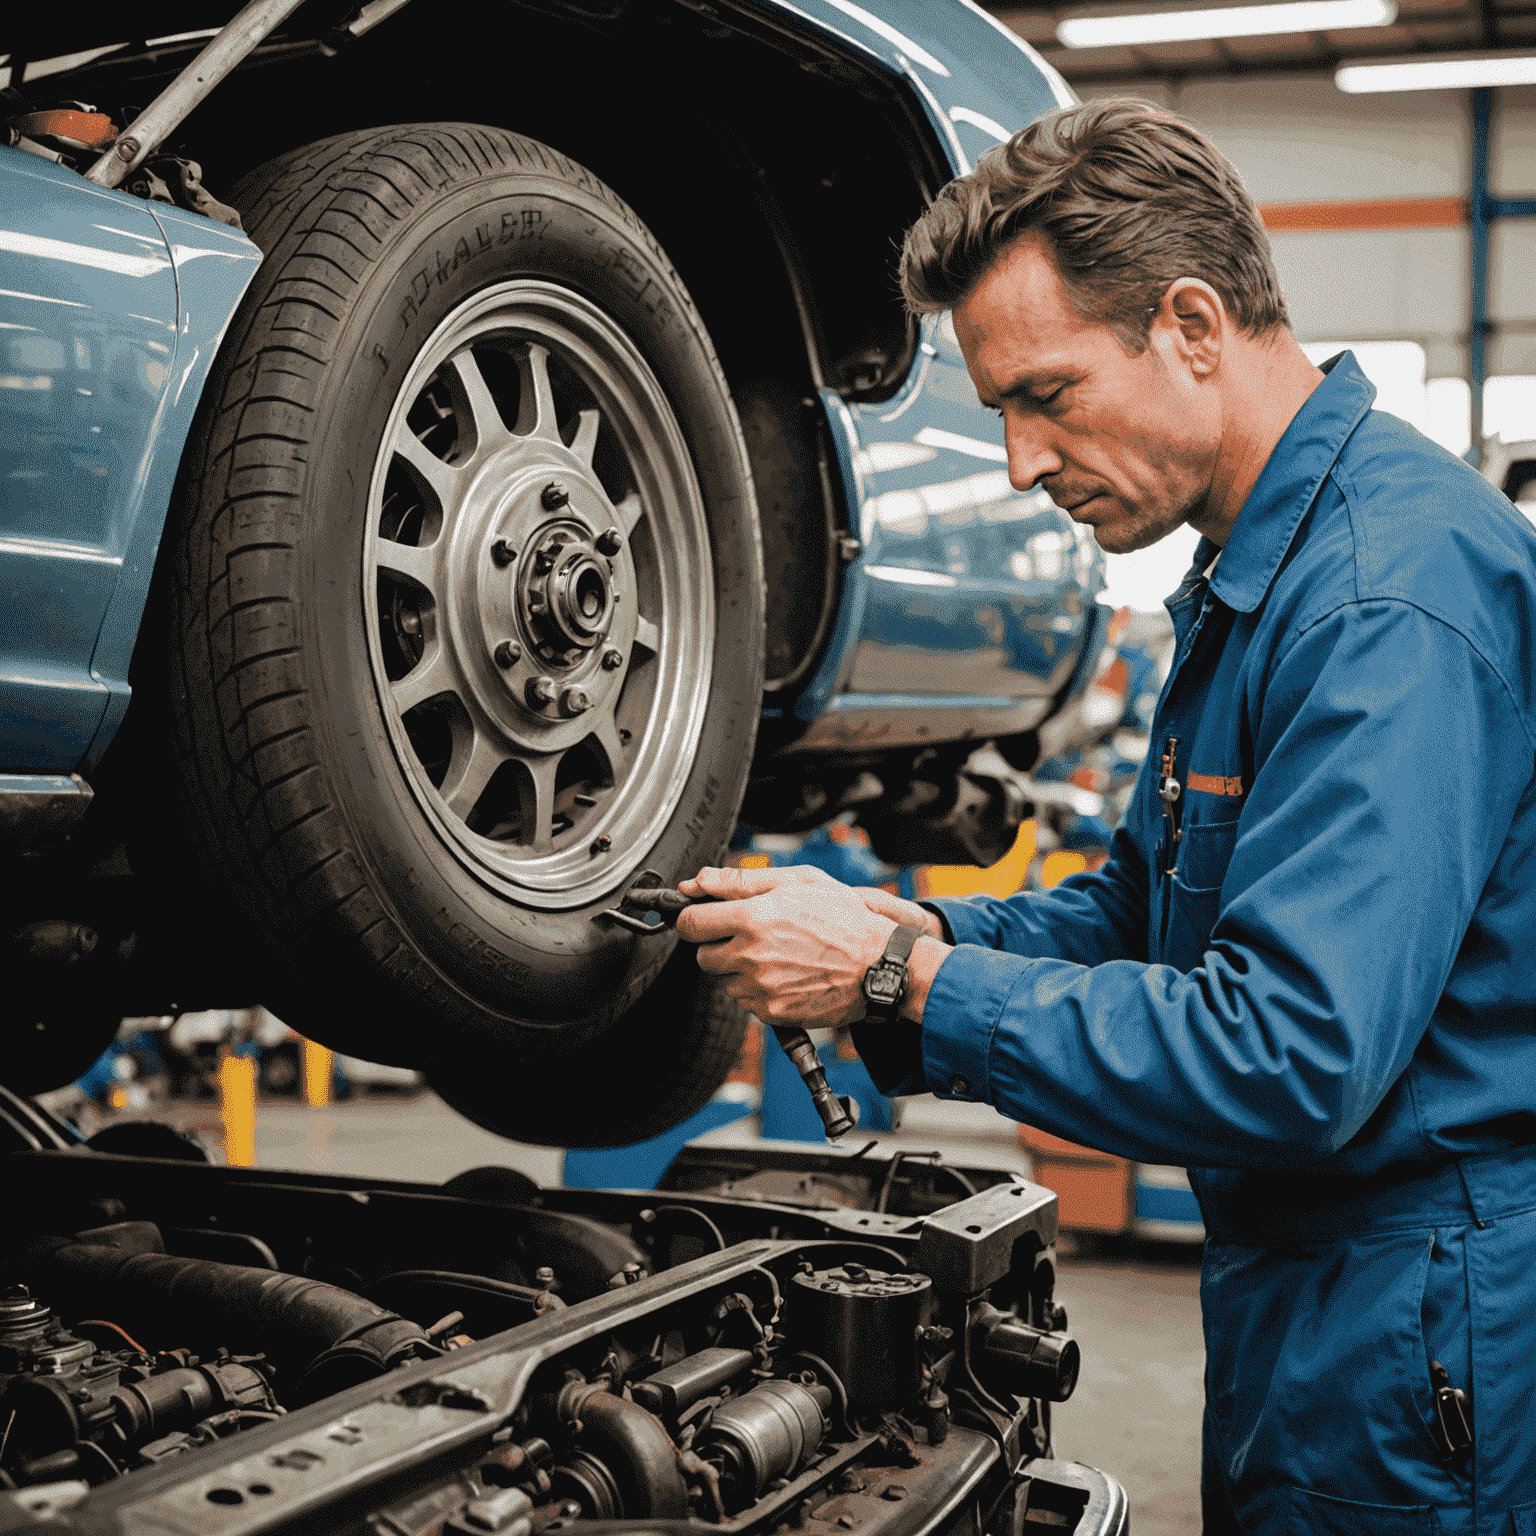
(453, 469)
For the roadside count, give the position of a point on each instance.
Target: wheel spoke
(536, 409)
(648, 636)
(436, 477)
(584, 444)
(538, 802)
(473, 404)
(630, 511)
(416, 562)
(607, 733)
(475, 758)
(429, 677)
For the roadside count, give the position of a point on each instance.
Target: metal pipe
(163, 115)
(1477, 213)
(839, 1115)
(1482, 209)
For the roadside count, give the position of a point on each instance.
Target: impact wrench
(838, 1114)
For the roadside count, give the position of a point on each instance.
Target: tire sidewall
(560, 970)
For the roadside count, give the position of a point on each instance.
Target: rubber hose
(176, 1302)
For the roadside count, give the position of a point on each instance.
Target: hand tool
(839, 1114)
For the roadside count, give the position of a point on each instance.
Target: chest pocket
(1195, 896)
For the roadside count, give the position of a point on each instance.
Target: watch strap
(901, 944)
(893, 959)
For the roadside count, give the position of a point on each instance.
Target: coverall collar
(1285, 489)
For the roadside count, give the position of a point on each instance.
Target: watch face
(882, 984)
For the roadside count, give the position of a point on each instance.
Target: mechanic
(1306, 970)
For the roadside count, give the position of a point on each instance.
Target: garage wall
(1301, 140)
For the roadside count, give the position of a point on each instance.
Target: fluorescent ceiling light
(1231, 21)
(1441, 74)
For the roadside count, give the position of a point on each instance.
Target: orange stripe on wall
(1380, 213)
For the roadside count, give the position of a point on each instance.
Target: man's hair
(1125, 198)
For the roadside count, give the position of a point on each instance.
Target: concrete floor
(1135, 1313)
(1134, 1310)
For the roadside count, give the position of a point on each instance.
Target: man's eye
(1047, 399)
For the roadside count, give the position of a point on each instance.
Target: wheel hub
(567, 592)
(546, 604)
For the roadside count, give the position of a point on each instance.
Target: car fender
(112, 312)
(937, 48)
(214, 265)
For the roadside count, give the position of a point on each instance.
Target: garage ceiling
(1422, 26)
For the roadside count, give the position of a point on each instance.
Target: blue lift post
(1482, 209)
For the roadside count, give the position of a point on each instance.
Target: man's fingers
(719, 959)
(898, 909)
(709, 922)
(738, 884)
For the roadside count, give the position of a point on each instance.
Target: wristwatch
(885, 982)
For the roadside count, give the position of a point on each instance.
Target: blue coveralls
(1321, 994)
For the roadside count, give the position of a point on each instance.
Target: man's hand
(794, 942)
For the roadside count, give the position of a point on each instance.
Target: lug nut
(601, 843)
(610, 541)
(507, 652)
(574, 701)
(502, 552)
(554, 496)
(410, 621)
(540, 692)
(613, 659)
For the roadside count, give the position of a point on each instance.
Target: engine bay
(185, 1347)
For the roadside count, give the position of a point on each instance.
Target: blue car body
(969, 613)
(111, 314)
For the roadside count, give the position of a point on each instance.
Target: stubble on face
(1126, 445)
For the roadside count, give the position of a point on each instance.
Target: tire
(465, 609)
(660, 1064)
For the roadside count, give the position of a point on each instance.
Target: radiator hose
(321, 1336)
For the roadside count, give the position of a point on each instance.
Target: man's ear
(1194, 322)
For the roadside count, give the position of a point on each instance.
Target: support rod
(164, 114)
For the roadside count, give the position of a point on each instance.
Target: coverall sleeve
(1389, 760)
(1088, 918)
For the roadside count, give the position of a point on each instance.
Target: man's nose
(1031, 454)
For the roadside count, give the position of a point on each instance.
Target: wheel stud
(601, 843)
(574, 701)
(613, 659)
(507, 652)
(502, 552)
(540, 692)
(609, 542)
(554, 496)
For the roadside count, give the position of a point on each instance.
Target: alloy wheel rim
(538, 594)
